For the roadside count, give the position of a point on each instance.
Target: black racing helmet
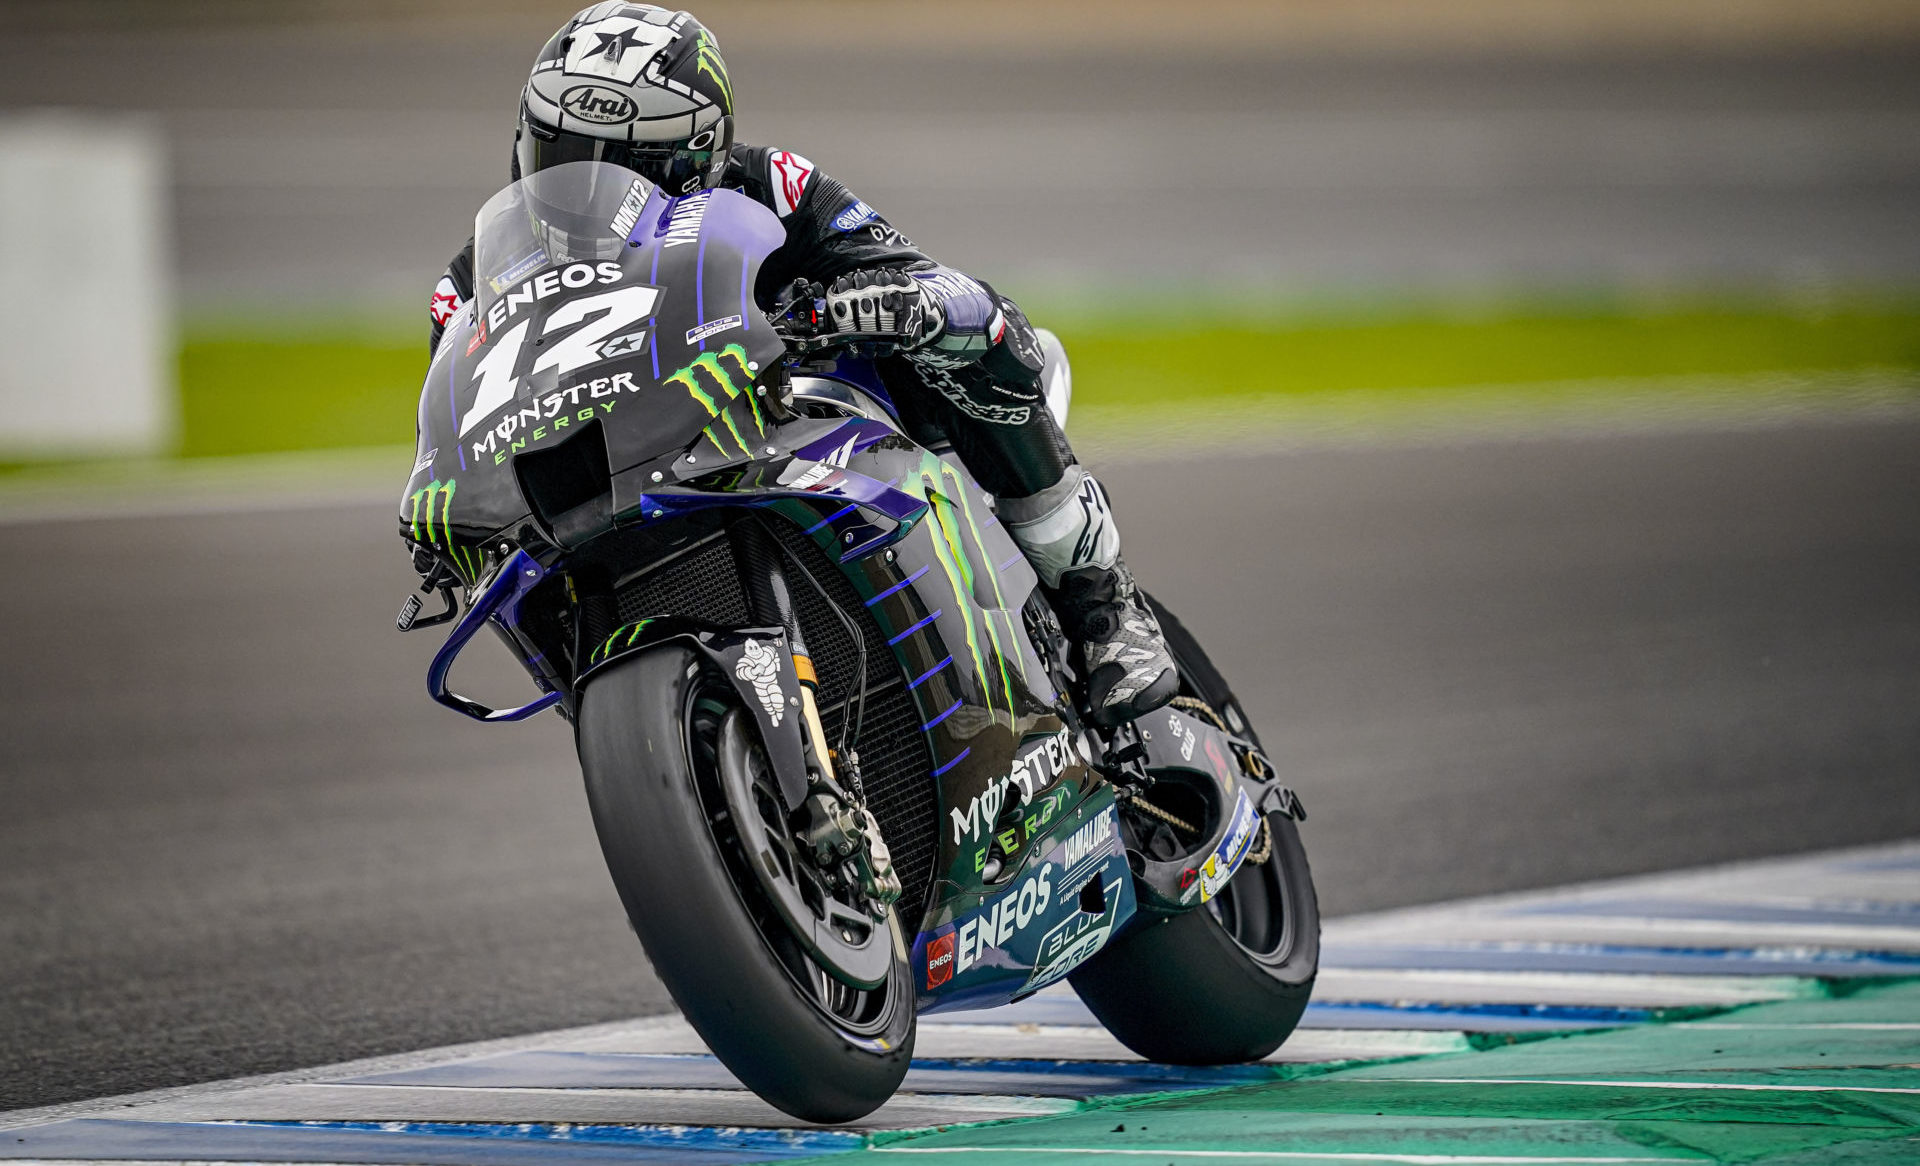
(638, 86)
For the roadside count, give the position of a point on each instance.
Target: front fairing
(655, 338)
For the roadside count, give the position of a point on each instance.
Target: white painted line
(1712, 1085)
(152, 1162)
(975, 1040)
(1821, 875)
(1642, 932)
(1527, 987)
(1841, 1026)
(1059, 1042)
(117, 1106)
(733, 1108)
(1276, 1155)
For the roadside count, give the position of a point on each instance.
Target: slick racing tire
(812, 1046)
(1226, 982)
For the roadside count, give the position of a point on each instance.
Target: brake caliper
(842, 835)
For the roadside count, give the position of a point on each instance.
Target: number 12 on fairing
(578, 329)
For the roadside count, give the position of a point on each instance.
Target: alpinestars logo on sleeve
(970, 403)
(1093, 522)
(445, 301)
(787, 173)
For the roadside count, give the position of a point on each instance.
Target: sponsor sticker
(1006, 917)
(683, 226)
(1033, 770)
(518, 270)
(1073, 940)
(1038, 816)
(712, 328)
(549, 283)
(628, 215)
(426, 459)
(814, 476)
(787, 173)
(1091, 840)
(1181, 734)
(939, 961)
(854, 216)
(599, 105)
(760, 667)
(1225, 859)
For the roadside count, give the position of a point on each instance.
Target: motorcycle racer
(646, 88)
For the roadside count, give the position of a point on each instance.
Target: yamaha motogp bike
(826, 718)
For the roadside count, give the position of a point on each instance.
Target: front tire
(803, 1041)
(1226, 982)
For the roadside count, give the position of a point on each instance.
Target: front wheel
(649, 735)
(1226, 982)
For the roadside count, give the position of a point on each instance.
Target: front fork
(835, 823)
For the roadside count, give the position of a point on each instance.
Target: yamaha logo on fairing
(600, 105)
(683, 226)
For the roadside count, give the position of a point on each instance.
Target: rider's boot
(1068, 534)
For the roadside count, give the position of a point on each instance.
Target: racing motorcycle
(826, 719)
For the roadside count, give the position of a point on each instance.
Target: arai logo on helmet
(598, 104)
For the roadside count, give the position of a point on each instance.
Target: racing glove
(881, 304)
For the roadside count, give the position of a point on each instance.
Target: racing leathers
(972, 379)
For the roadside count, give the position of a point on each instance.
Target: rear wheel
(649, 736)
(1228, 981)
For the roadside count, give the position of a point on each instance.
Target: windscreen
(581, 212)
(602, 305)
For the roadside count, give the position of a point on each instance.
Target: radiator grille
(702, 584)
(894, 763)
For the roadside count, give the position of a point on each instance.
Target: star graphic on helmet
(615, 44)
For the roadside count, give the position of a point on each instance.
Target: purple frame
(500, 601)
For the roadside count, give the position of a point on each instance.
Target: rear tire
(807, 1044)
(1193, 989)
(1226, 982)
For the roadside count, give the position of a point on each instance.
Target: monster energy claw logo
(951, 510)
(707, 60)
(715, 380)
(630, 630)
(433, 526)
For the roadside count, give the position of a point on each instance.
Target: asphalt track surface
(238, 837)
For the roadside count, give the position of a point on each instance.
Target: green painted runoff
(1830, 1080)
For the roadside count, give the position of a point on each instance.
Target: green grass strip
(264, 394)
(254, 390)
(1128, 361)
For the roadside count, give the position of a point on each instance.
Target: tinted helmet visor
(677, 167)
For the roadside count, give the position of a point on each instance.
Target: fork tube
(770, 601)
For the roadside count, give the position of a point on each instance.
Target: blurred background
(1521, 398)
